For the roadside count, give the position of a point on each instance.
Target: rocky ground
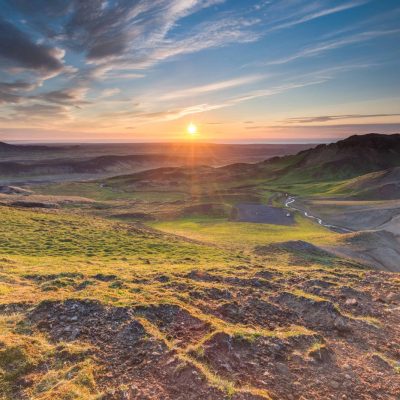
(254, 332)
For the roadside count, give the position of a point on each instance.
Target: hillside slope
(381, 185)
(351, 157)
(91, 309)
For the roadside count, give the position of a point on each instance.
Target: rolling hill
(381, 185)
(348, 158)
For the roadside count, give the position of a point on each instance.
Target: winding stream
(288, 204)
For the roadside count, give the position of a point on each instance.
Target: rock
(341, 324)
(320, 314)
(282, 368)
(334, 385)
(34, 204)
(351, 302)
(14, 190)
(321, 354)
(393, 297)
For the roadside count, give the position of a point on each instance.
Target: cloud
(69, 96)
(115, 40)
(18, 50)
(310, 79)
(328, 118)
(106, 29)
(123, 75)
(208, 35)
(39, 112)
(12, 92)
(176, 113)
(212, 87)
(109, 92)
(323, 47)
(310, 11)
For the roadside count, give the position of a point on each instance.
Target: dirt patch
(211, 294)
(14, 308)
(254, 311)
(14, 190)
(292, 246)
(205, 209)
(177, 323)
(126, 353)
(33, 204)
(135, 216)
(260, 213)
(317, 314)
(254, 282)
(265, 362)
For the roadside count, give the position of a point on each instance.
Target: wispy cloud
(212, 87)
(109, 92)
(322, 47)
(176, 113)
(313, 78)
(60, 59)
(314, 10)
(328, 118)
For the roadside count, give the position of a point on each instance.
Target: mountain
(103, 164)
(348, 158)
(352, 157)
(6, 147)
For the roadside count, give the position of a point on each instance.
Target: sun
(191, 129)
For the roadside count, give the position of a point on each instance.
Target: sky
(240, 70)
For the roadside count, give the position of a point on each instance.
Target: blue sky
(242, 71)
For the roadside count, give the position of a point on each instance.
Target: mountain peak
(371, 140)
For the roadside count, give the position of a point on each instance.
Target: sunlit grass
(244, 235)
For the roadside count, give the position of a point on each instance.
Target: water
(290, 200)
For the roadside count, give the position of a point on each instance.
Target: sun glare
(191, 129)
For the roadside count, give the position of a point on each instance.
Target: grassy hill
(94, 309)
(188, 304)
(381, 185)
(354, 156)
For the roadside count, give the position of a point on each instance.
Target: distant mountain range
(6, 147)
(373, 161)
(98, 159)
(345, 159)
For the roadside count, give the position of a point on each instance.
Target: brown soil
(291, 335)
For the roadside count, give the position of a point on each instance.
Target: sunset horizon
(266, 70)
(199, 199)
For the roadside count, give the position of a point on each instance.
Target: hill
(381, 185)
(24, 148)
(354, 156)
(92, 309)
(188, 304)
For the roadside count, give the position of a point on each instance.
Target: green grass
(94, 191)
(243, 235)
(60, 234)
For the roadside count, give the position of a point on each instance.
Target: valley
(201, 282)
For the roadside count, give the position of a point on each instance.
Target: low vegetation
(142, 291)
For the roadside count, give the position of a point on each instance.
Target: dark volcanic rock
(292, 246)
(319, 314)
(33, 204)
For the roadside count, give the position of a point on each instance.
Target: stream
(289, 204)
